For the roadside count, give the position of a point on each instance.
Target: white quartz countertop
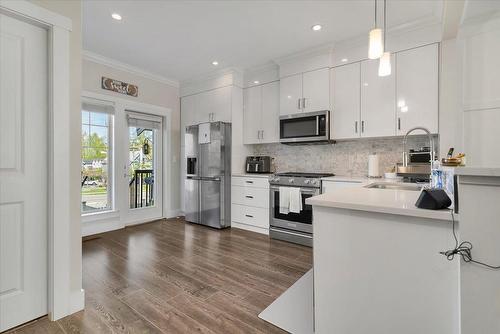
(390, 201)
(263, 176)
(478, 171)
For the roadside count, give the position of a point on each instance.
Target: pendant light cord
(385, 22)
(375, 14)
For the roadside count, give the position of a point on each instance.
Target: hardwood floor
(173, 277)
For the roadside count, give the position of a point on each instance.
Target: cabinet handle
(249, 196)
(399, 123)
(249, 216)
(249, 182)
(356, 127)
(303, 103)
(262, 134)
(298, 104)
(362, 126)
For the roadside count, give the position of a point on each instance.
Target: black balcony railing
(141, 188)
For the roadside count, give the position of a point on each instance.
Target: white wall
(150, 92)
(73, 10)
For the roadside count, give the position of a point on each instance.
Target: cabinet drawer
(255, 182)
(249, 215)
(257, 197)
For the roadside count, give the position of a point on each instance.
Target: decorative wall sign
(119, 86)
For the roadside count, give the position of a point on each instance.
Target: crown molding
(99, 59)
(310, 52)
(396, 31)
(212, 75)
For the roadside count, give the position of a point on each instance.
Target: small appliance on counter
(258, 164)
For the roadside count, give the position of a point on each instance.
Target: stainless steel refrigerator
(208, 174)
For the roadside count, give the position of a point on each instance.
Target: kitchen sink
(395, 186)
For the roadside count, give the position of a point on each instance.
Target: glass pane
(95, 189)
(141, 167)
(98, 136)
(85, 117)
(85, 135)
(94, 180)
(303, 127)
(97, 118)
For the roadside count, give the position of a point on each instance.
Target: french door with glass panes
(144, 167)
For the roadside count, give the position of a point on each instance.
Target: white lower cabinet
(250, 203)
(330, 186)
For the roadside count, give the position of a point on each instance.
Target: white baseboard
(77, 302)
(174, 213)
(250, 228)
(91, 228)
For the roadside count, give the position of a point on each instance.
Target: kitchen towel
(295, 200)
(373, 166)
(284, 200)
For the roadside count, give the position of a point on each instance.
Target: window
(96, 169)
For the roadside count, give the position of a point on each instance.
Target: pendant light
(384, 66)
(375, 47)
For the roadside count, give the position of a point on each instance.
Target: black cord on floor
(464, 249)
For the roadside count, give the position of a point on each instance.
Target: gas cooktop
(308, 175)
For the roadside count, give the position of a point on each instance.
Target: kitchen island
(377, 267)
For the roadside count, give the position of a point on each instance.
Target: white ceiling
(180, 39)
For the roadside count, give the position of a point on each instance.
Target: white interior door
(23, 172)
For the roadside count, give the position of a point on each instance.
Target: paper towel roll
(373, 166)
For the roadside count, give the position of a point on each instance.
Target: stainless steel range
(294, 227)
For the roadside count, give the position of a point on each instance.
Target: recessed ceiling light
(343, 60)
(316, 27)
(116, 16)
(256, 81)
(215, 63)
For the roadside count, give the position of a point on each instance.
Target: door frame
(62, 301)
(118, 218)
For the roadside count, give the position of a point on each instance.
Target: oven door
(305, 127)
(292, 221)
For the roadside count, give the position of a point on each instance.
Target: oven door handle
(314, 191)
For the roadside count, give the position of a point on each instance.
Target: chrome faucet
(431, 142)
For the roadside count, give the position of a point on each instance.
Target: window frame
(110, 190)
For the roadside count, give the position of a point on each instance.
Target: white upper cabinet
(417, 89)
(345, 93)
(378, 108)
(221, 104)
(270, 112)
(316, 90)
(304, 92)
(252, 114)
(291, 94)
(261, 114)
(210, 106)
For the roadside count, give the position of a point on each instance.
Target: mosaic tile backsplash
(346, 158)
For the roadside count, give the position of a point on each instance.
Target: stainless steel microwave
(305, 127)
